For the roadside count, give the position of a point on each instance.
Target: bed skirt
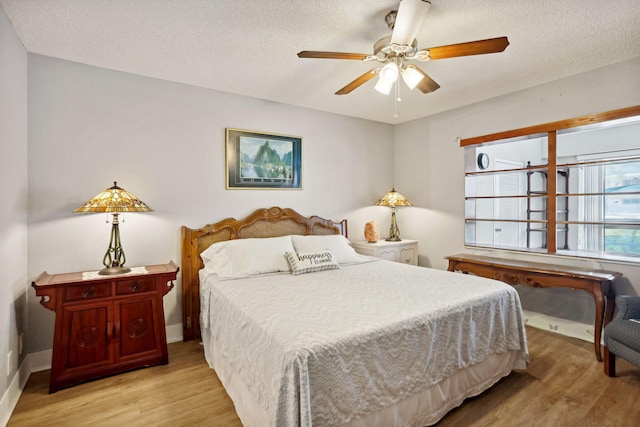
(421, 409)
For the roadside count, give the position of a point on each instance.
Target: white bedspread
(324, 348)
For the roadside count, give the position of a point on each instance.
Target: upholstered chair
(622, 334)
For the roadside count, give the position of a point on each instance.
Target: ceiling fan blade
(478, 47)
(358, 82)
(410, 15)
(332, 55)
(427, 84)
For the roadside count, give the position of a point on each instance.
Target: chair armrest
(628, 307)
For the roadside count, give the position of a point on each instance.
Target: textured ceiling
(249, 47)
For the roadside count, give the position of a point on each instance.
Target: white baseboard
(12, 395)
(560, 326)
(40, 360)
(174, 333)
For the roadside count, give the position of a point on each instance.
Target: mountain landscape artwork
(264, 158)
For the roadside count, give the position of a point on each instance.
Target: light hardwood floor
(563, 386)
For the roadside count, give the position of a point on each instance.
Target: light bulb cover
(383, 86)
(389, 72)
(411, 76)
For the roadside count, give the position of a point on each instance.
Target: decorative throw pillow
(309, 262)
(339, 246)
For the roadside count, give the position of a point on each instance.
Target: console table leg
(597, 333)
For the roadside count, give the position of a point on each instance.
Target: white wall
(13, 207)
(165, 143)
(429, 167)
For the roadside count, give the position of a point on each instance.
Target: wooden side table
(541, 275)
(404, 251)
(106, 324)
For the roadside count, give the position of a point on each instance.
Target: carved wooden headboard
(271, 222)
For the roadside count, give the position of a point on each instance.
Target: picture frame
(260, 160)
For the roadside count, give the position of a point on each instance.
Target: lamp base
(109, 271)
(394, 231)
(114, 258)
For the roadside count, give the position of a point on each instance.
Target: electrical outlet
(9, 362)
(20, 344)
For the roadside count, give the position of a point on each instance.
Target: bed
(309, 333)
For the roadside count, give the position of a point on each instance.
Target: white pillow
(336, 243)
(247, 257)
(309, 262)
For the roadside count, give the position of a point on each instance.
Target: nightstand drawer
(87, 292)
(136, 286)
(408, 256)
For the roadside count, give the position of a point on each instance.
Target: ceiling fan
(400, 49)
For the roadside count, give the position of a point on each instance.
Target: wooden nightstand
(405, 251)
(106, 324)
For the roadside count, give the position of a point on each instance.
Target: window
(589, 175)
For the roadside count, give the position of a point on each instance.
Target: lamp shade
(114, 199)
(393, 199)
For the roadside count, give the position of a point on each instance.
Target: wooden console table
(540, 275)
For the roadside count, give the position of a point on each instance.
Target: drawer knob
(135, 286)
(88, 292)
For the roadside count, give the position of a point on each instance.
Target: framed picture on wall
(263, 160)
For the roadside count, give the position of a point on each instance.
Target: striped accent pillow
(309, 262)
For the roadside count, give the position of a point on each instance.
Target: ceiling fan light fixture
(384, 86)
(389, 72)
(411, 77)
